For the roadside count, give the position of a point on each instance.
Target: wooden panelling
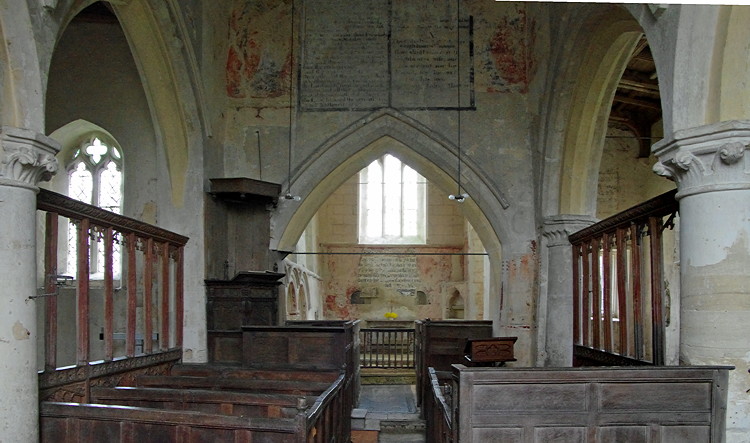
(441, 343)
(249, 299)
(655, 405)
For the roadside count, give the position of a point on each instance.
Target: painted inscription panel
(368, 54)
(397, 272)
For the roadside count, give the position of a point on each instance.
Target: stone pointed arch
(608, 54)
(389, 131)
(21, 80)
(73, 134)
(158, 49)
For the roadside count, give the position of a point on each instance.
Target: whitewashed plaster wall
(495, 137)
(337, 222)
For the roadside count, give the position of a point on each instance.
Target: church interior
(215, 217)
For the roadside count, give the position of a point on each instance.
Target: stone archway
(388, 131)
(357, 145)
(21, 83)
(608, 47)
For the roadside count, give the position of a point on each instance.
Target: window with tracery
(391, 203)
(95, 177)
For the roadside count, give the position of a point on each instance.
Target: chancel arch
(388, 131)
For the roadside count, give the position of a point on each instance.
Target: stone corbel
(657, 9)
(27, 157)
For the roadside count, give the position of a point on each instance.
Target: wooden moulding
(244, 190)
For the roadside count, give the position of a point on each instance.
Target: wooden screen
(618, 284)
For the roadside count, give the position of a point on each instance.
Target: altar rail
(387, 348)
(618, 285)
(152, 278)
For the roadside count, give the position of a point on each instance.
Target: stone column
(712, 172)
(26, 157)
(556, 315)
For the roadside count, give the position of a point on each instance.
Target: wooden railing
(324, 419)
(151, 307)
(438, 408)
(387, 348)
(618, 285)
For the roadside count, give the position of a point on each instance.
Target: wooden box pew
(316, 422)
(216, 402)
(234, 372)
(289, 387)
(82, 422)
(659, 404)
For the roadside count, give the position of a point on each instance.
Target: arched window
(391, 203)
(95, 177)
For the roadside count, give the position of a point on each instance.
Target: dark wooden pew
(82, 422)
(215, 402)
(292, 387)
(441, 343)
(234, 372)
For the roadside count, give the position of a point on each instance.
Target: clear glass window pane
(391, 201)
(71, 264)
(81, 183)
(95, 178)
(392, 191)
(110, 185)
(374, 201)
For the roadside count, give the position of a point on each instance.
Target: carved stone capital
(706, 159)
(27, 157)
(557, 228)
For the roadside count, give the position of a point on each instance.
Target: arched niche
(455, 307)
(292, 309)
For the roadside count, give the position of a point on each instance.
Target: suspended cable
(390, 253)
(288, 195)
(459, 196)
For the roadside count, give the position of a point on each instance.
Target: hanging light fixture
(288, 195)
(459, 196)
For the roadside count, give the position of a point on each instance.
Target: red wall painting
(259, 62)
(508, 55)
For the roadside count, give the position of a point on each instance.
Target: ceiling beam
(636, 102)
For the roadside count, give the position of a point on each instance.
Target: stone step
(402, 431)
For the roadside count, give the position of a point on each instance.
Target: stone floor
(387, 413)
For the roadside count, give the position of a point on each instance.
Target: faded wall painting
(259, 63)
